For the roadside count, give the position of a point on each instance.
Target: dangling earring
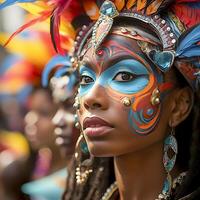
(170, 144)
(84, 165)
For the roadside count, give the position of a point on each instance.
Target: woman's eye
(86, 80)
(124, 76)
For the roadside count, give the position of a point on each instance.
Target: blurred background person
(20, 79)
(63, 85)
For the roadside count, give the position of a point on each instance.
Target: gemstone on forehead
(108, 8)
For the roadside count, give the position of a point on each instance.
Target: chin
(98, 150)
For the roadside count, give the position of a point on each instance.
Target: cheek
(143, 116)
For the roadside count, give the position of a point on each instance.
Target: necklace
(113, 187)
(110, 191)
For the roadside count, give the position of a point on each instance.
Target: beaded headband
(176, 49)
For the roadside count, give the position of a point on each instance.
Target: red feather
(44, 15)
(61, 7)
(187, 14)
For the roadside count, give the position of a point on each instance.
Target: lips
(95, 126)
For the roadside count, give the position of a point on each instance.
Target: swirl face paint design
(130, 77)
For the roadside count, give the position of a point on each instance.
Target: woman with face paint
(138, 101)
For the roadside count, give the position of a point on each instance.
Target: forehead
(113, 49)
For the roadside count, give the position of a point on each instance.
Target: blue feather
(7, 3)
(195, 5)
(56, 61)
(187, 41)
(191, 52)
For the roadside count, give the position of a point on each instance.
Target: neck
(140, 175)
(57, 162)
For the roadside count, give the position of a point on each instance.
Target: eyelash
(131, 76)
(85, 83)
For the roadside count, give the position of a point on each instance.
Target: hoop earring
(84, 168)
(170, 143)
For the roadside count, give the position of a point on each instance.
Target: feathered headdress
(64, 17)
(169, 19)
(176, 23)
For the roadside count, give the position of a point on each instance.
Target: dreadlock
(97, 183)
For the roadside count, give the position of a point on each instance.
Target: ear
(182, 103)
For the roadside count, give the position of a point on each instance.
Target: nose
(96, 98)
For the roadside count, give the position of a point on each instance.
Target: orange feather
(141, 4)
(120, 4)
(130, 4)
(91, 9)
(153, 7)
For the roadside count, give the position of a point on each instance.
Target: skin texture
(66, 133)
(109, 97)
(137, 149)
(40, 132)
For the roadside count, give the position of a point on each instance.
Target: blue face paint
(108, 78)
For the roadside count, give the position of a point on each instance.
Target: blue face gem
(150, 111)
(108, 9)
(163, 59)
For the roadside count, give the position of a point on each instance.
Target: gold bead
(126, 101)
(77, 125)
(155, 97)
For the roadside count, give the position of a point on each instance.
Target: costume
(172, 40)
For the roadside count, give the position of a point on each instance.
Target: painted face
(118, 70)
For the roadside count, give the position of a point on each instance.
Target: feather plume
(153, 7)
(120, 4)
(187, 45)
(91, 9)
(141, 4)
(7, 3)
(43, 17)
(187, 11)
(61, 5)
(130, 3)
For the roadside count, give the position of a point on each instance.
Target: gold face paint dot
(126, 101)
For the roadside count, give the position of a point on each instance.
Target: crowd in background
(37, 140)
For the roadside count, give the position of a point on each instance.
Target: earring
(126, 101)
(170, 148)
(155, 97)
(84, 165)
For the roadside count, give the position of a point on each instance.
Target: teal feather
(187, 44)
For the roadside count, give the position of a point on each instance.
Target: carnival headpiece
(175, 22)
(178, 33)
